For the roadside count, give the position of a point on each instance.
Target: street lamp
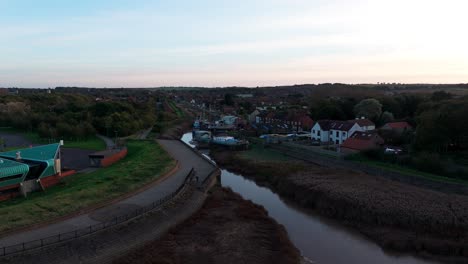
(115, 143)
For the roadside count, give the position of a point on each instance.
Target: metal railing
(62, 237)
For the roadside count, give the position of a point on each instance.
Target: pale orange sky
(222, 43)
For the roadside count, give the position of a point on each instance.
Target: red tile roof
(398, 125)
(362, 141)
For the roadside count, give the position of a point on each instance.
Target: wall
(106, 162)
(55, 179)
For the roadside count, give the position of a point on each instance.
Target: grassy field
(145, 162)
(409, 171)
(258, 153)
(176, 109)
(91, 143)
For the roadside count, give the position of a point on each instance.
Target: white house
(253, 116)
(365, 123)
(341, 130)
(320, 131)
(333, 131)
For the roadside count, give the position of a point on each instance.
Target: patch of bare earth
(398, 216)
(226, 230)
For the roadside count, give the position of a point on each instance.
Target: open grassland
(410, 171)
(90, 143)
(257, 152)
(145, 162)
(176, 109)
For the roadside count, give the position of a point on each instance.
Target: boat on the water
(202, 136)
(229, 142)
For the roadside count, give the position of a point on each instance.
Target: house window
(336, 133)
(318, 133)
(343, 134)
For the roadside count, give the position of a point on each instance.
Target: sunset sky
(119, 43)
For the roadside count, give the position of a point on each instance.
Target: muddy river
(320, 240)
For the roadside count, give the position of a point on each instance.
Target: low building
(25, 170)
(253, 116)
(365, 123)
(361, 141)
(398, 127)
(106, 158)
(333, 131)
(342, 130)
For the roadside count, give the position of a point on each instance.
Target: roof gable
(341, 125)
(362, 122)
(396, 125)
(39, 153)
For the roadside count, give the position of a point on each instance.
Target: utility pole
(115, 143)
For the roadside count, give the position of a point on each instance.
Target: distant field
(145, 162)
(413, 172)
(176, 109)
(259, 153)
(91, 143)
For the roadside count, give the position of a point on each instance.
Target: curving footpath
(187, 160)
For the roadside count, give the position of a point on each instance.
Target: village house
(292, 121)
(341, 130)
(398, 127)
(321, 131)
(252, 117)
(365, 123)
(332, 131)
(361, 141)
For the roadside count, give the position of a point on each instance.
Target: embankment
(399, 217)
(226, 230)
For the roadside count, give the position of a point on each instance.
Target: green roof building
(29, 164)
(12, 172)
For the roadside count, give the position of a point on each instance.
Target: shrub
(429, 162)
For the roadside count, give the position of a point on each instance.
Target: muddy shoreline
(398, 217)
(227, 229)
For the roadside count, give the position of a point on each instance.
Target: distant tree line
(75, 115)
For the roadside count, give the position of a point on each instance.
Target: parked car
(393, 150)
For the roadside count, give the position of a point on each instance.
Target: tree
(386, 117)
(370, 108)
(440, 95)
(229, 99)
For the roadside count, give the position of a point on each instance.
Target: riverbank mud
(399, 217)
(228, 229)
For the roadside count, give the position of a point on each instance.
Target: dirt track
(397, 216)
(226, 230)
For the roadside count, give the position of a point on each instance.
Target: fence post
(23, 246)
